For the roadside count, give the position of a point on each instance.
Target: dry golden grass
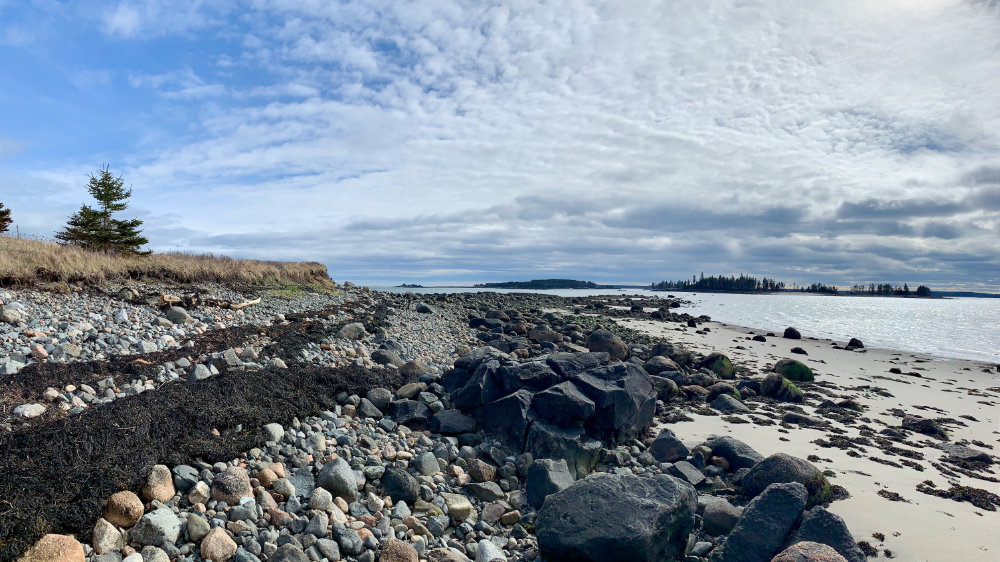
(28, 262)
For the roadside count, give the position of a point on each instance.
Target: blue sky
(442, 141)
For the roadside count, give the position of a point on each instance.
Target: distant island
(543, 284)
(410, 286)
(748, 284)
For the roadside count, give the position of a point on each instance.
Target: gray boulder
(737, 453)
(667, 447)
(603, 341)
(178, 315)
(658, 364)
(726, 403)
(386, 357)
(546, 477)
(425, 308)
(337, 477)
(289, 552)
(156, 527)
(720, 517)
(353, 331)
(821, 526)
(611, 517)
(765, 525)
(380, 397)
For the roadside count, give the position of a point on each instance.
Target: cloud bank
(616, 141)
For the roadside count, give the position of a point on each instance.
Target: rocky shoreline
(378, 426)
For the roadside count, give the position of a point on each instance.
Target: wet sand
(923, 527)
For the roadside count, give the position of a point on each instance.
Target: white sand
(927, 528)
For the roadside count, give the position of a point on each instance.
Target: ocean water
(961, 328)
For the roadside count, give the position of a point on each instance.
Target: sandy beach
(916, 526)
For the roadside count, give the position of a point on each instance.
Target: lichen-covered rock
(794, 370)
(779, 468)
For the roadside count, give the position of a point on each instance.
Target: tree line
(747, 284)
(721, 283)
(97, 228)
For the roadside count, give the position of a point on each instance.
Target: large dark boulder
(737, 453)
(400, 485)
(535, 375)
(719, 364)
(508, 418)
(603, 341)
(568, 364)
(411, 413)
(667, 447)
(779, 468)
(792, 334)
(564, 405)
(665, 388)
(546, 477)
(610, 518)
(794, 370)
(571, 444)
(624, 398)
(821, 526)
(765, 525)
(658, 363)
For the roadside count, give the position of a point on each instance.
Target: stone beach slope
(375, 426)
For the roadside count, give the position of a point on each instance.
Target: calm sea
(962, 328)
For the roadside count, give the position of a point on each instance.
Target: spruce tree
(5, 219)
(96, 229)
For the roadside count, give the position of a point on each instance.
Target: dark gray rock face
(546, 477)
(508, 417)
(765, 525)
(535, 375)
(925, 426)
(737, 453)
(819, 525)
(792, 334)
(779, 468)
(558, 408)
(611, 518)
(452, 422)
(568, 364)
(579, 451)
(564, 405)
(624, 398)
(658, 364)
(667, 447)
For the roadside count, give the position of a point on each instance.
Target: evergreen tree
(96, 229)
(5, 219)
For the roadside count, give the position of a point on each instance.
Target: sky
(445, 141)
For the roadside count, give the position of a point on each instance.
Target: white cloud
(559, 133)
